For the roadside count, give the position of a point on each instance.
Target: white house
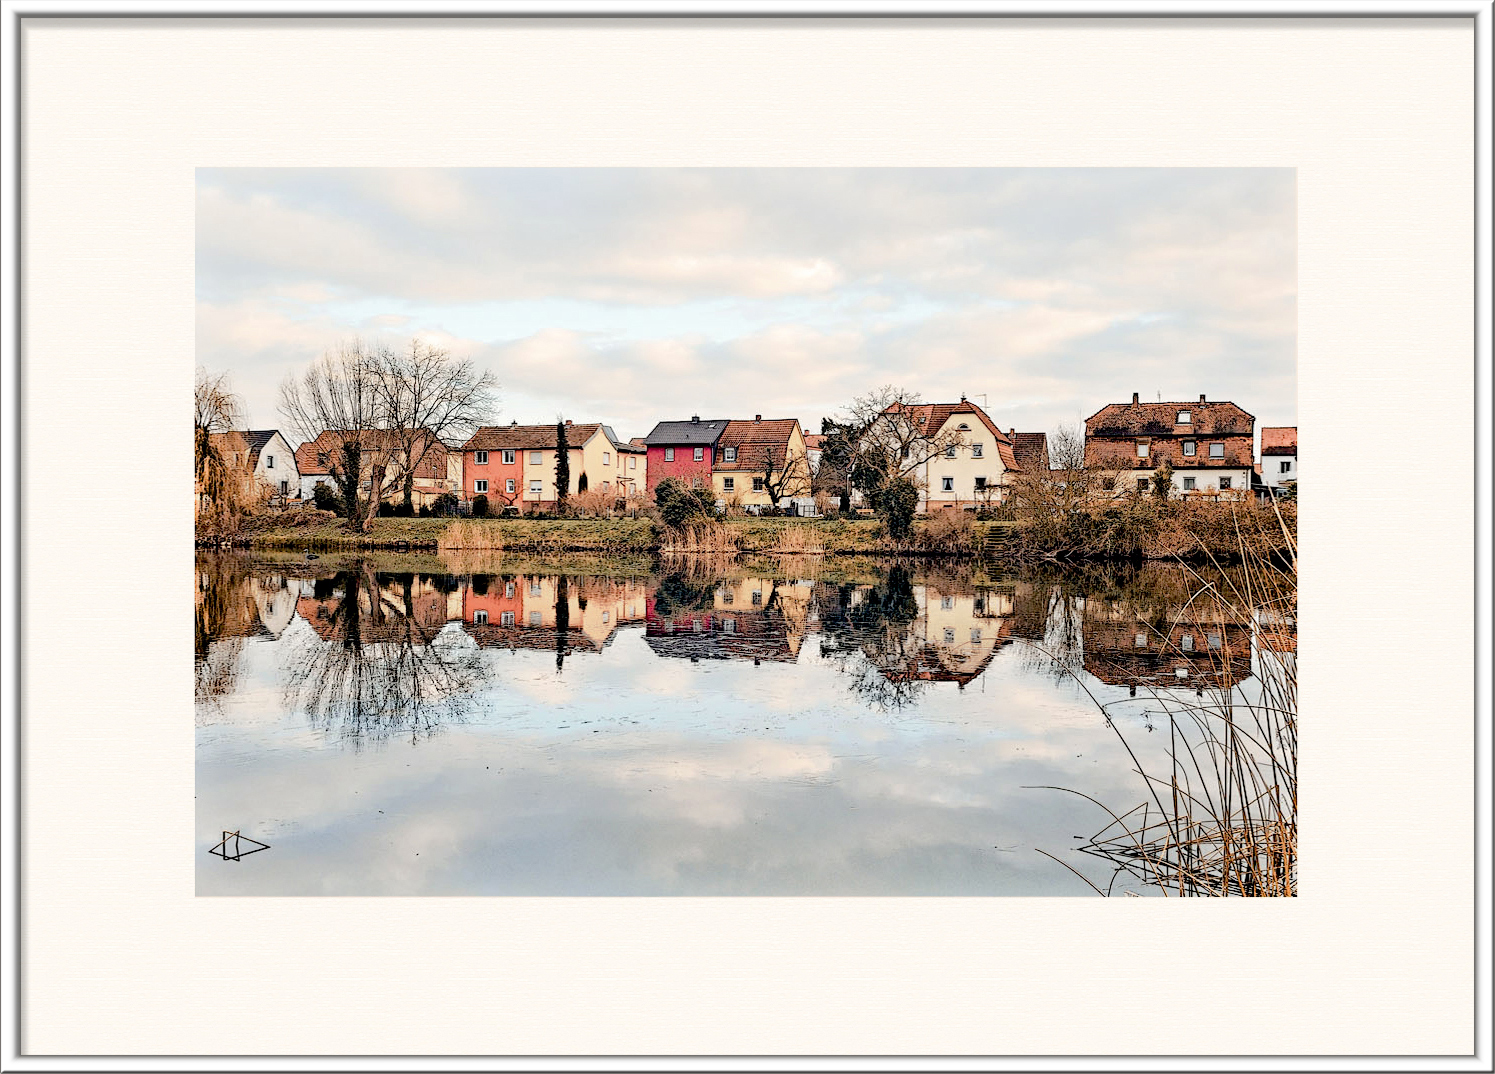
(1279, 456)
(262, 455)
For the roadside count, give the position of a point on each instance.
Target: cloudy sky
(631, 296)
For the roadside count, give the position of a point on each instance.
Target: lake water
(406, 726)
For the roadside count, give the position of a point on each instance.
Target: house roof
(1279, 439)
(1161, 419)
(1032, 450)
(814, 441)
(528, 437)
(697, 432)
(433, 465)
(753, 438)
(935, 416)
(248, 442)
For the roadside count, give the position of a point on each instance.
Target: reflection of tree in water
(230, 605)
(871, 633)
(378, 662)
(679, 594)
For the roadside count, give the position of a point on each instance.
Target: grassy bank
(1147, 529)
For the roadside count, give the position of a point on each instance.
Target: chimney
(695, 419)
(1201, 397)
(568, 421)
(1012, 433)
(1136, 398)
(757, 418)
(514, 423)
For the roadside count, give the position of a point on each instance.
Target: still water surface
(689, 728)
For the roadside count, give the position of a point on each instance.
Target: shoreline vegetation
(1139, 528)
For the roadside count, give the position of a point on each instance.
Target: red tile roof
(1161, 419)
(1279, 439)
(936, 414)
(528, 437)
(752, 439)
(329, 444)
(1031, 450)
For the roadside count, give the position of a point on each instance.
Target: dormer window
(321, 458)
(1184, 417)
(729, 454)
(1143, 448)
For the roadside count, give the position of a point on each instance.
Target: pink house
(684, 450)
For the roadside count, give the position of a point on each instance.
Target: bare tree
(780, 476)
(216, 410)
(430, 400)
(893, 438)
(342, 393)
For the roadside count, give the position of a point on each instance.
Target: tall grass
(470, 536)
(705, 537)
(1221, 817)
(798, 540)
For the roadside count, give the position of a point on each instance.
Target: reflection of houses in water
(961, 632)
(366, 609)
(1198, 649)
(512, 611)
(729, 619)
(262, 608)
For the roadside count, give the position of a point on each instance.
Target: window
(729, 626)
(669, 454)
(757, 596)
(946, 603)
(1217, 451)
(729, 454)
(480, 618)
(269, 462)
(321, 458)
(534, 618)
(509, 485)
(727, 596)
(975, 635)
(1184, 417)
(757, 484)
(505, 618)
(729, 484)
(285, 488)
(695, 625)
(981, 484)
(534, 488)
(1214, 641)
(606, 485)
(1189, 448)
(949, 635)
(534, 589)
(607, 458)
(1140, 641)
(482, 458)
(480, 485)
(964, 426)
(699, 454)
(632, 464)
(509, 590)
(1186, 643)
(1284, 467)
(947, 484)
(1188, 484)
(606, 616)
(1143, 448)
(950, 452)
(536, 457)
(1224, 483)
(1141, 484)
(976, 450)
(508, 458)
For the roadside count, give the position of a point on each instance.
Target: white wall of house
(1271, 470)
(963, 469)
(1203, 480)
(309, 483)
(277, 464)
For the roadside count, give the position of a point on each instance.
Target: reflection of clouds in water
(636, 771)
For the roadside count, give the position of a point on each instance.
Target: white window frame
(607, 458)
(1144, 449)
(482, 458)
(1185, 417)
(1284, 467)
(507, 457)
(698, 455)
(669, 454)
(757, 484)
(505, 618)
(950, 452)
(1225, 484)
(947, 484)
(729, 484)
(535, 488)
(480, 485)
(633, 462)
(1190, 484)
(536, 458)
(480, 617)
(976, 450)
(1141, 484)
(509, 485)
(729, 454)
(269, 462)
(1217, 451)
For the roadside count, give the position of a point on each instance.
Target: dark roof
(1032, 451)
(692, 433)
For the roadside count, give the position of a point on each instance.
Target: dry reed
(470, 536)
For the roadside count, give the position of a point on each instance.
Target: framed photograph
(734, 535)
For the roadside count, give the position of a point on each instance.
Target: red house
(683, 450)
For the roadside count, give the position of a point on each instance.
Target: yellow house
(514, 465)
(762, 464)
